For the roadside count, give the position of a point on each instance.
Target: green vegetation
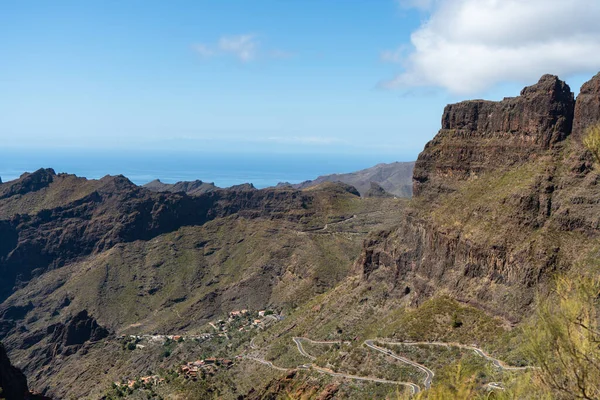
(591, 141)
(564, 343)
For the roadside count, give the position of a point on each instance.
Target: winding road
(298, 341)
(497, 363)
(429, 374)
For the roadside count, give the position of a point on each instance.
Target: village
(237, 321)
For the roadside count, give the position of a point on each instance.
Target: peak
(587, 107)
(591, 86)
(39, 174)
(482, 136)
(547, 85)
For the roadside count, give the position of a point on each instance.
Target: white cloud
(467, 46)
(244, 47)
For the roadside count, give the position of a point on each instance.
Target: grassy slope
(179, 281)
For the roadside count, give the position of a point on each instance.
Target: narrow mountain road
(429, 373)
(498, 363)
(268, 363)
(414, 388)
(298, 342)
(339, 222)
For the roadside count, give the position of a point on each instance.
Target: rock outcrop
(189, 187)
(28, 183)
(587, 107)
(377, 191)
(12, 380)
(68, 337)
(508, 198)
(481, 136)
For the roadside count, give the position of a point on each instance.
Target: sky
(329, 77)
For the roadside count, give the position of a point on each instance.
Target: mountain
(192, 188)
(395, 178)
(85, 261)
(113, 290)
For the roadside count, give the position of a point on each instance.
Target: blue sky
(311, 76)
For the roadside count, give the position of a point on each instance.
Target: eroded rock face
(29, 183)
(587, 107)
(479, 136)
(81, 328)
(12, 380)
(491, 256)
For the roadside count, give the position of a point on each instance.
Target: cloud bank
(468, 46)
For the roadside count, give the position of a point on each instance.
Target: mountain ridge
(505, 199)
(395, 178)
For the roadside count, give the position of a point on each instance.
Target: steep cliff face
(587, 108)
(480, 136)
(504, 199)
(12, 381)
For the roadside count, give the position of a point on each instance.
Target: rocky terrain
(506, 200)
(395, 178)
(192, 188)
(513, 201)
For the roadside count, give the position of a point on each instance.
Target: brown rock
(480, 136)
(587, 107)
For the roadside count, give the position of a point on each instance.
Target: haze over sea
(224, 170)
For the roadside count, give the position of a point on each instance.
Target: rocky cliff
(504, 199)
(12, 381)
(481, 136)
(587, 107)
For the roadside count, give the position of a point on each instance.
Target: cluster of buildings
(163, 338)
(244, 320)
(208, 366)
(144, 380)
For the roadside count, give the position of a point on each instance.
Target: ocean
(224, 170)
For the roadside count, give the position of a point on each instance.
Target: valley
(114, 290)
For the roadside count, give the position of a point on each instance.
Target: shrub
(592, 141)
(564, 342)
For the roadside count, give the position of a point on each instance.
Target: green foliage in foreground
(564, 344)
(592, 141)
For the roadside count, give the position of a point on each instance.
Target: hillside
(109, 258)
(395, 178)
(316, 293)
(192, 188)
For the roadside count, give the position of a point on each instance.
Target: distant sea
(224, 170)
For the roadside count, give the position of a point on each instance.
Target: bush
(592, 141)
(564, 342)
